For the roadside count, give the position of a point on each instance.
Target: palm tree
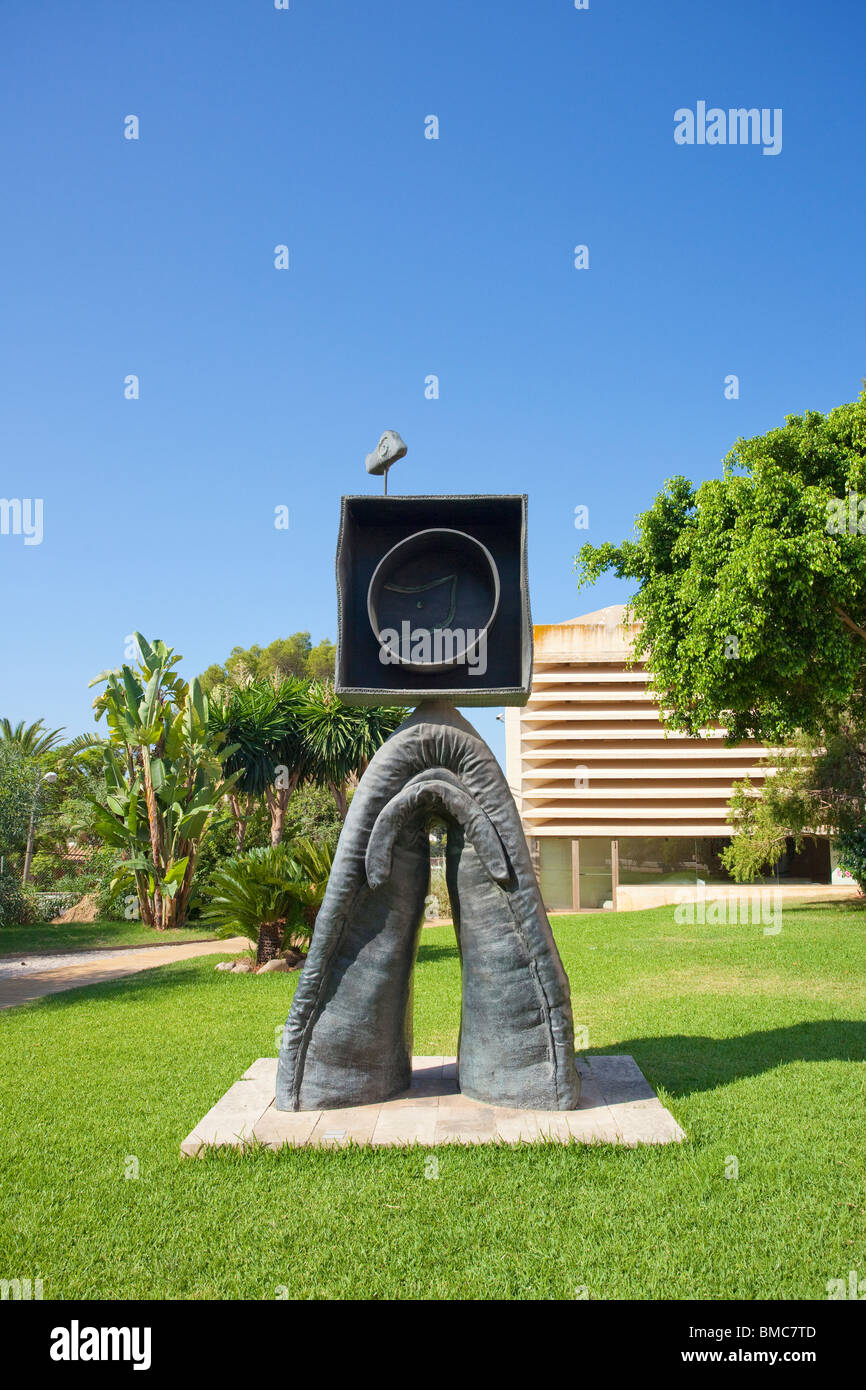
(339, 740)
(270, 895)
(32, 741)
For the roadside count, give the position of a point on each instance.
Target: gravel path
(11, 968)
(29, 977)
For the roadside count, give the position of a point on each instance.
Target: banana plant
(164, 779)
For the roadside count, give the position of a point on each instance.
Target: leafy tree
(293, 732)
(283, 659)
(322, 660)
(751, 596)
(68, 820)
(16, 799)
(164, 777)
(312, 815)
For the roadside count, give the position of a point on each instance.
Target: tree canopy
(751, 588)
(751, 599)
(283, 658)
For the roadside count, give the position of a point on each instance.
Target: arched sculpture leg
(349, 1034)
(505, 1050)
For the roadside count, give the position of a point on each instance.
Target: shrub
(47, 906)
(852, 854)
(13, 903)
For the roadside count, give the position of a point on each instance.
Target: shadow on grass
(685, 1064)
(428, 954)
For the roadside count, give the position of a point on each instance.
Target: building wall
(590, 763)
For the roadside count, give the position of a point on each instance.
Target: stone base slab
(617, 1106)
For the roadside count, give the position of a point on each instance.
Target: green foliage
(290, 732)
(47, 906)
(852, 854)
(340, 739)
(286, 657)
(312, 815)
(752, 605)
(31, 740)
(13, 901)
(278, 885)
(261, 721)
(812, 787)
(68, 821)
(752, 610)
(164, 780)
(18, 778)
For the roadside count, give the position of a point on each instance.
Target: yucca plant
(270, 895)
(339, 739)
(260, 721)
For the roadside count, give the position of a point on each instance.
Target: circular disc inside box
(441, 583)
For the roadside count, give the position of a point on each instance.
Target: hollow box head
(433, 601)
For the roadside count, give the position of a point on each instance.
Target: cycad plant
(270, 895)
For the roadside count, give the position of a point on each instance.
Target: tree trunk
(340, 797)
(185, 891)
(278, 802)
(145, 907)
(28, 854)
(240, 822)
(153, 826)
(270, 941)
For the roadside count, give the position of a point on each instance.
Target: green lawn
(757, 1044)
(88, 936)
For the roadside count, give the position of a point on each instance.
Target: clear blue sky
(408, 257)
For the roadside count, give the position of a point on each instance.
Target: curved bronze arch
(348, 1039)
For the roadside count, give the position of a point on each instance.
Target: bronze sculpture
(348, 1039)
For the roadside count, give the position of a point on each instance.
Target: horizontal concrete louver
(591, 717)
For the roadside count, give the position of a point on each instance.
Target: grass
(756, 1043)
(89, 936)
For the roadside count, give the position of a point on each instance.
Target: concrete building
(617, 811)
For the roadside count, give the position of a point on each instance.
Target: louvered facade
(609, 800)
